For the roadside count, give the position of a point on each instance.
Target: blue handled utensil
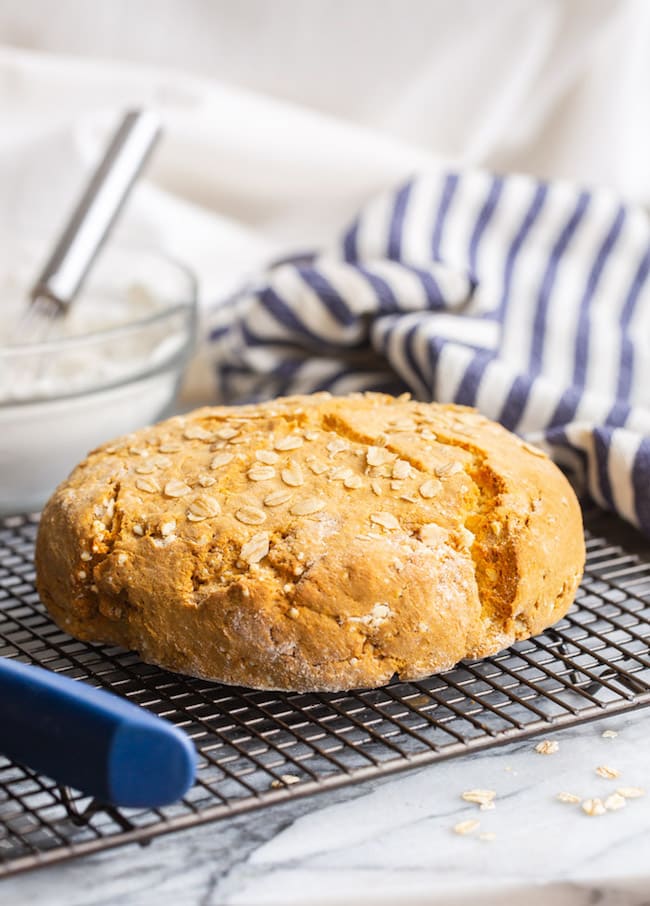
(89, 739)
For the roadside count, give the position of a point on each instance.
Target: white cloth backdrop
(283, 117)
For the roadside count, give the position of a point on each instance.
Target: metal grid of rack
(260, 748)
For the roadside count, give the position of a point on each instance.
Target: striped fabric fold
(528, 300)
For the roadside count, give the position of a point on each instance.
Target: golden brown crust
(312, 543)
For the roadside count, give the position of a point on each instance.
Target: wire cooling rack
(260, 748)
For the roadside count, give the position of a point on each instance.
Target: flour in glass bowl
(86, 364)
(109, 367)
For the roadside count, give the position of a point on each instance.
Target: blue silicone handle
(91, 740)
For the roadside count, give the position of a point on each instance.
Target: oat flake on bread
(319, 543)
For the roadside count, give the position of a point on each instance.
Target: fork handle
(96, 211)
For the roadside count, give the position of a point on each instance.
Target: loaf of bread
(312, 543)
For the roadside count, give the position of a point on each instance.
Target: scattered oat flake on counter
(593, 807)
(614, 802)
(547, 747)
(488, 836)
(631, 792)
(568, 797)
(609, 734)
(285, 780)
(466, 827)
(607, 773)
(482, 798)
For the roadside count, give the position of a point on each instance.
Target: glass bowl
(128, 338)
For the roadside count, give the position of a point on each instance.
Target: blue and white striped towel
(526, 299)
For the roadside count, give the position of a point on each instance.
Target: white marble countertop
(392, 841)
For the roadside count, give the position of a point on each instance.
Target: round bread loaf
(312, 543)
